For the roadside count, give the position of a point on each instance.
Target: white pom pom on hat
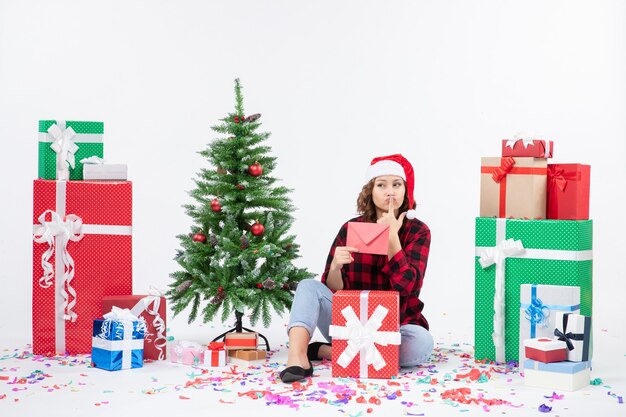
(394, 165)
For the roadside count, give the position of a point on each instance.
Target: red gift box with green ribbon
(568, 191)
(82, 252)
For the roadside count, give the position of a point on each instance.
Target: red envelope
(368, 237)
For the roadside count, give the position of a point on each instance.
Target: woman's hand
(343, 255)
(390, 219)
(394, 227)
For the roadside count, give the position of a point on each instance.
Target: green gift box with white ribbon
(512, 252)
(63, 144)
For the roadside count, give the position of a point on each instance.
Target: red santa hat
(394, 165)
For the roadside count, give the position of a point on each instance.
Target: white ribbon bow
(526, 141)
(124, 334)
(64, 146)
(362, 338)
(497, 255)
(154, 299)
(63, 231)
(94, 160)
(120, 314)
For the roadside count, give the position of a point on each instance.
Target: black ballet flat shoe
(312, 352)
(295, 373)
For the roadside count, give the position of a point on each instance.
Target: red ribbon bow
(506, 164)
(556, 177)
(216, 346)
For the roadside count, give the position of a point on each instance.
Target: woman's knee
(417, 345)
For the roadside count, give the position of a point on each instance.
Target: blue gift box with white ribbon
(117, 343)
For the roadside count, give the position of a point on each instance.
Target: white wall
(337, 83)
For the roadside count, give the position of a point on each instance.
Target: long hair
(365, 204)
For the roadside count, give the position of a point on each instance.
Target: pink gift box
(187, 353)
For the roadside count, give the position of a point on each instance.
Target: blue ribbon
(537, 313)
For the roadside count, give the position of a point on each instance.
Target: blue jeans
(312, 307)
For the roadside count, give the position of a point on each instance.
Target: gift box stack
(82, 249)
(244, 346)
(533, 229)
(560, 362)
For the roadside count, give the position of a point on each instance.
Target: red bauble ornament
(257, 229)
(259, 286)
(215, 205)
(255, 169)
(241, 187)
(220, 289)
(199, 237)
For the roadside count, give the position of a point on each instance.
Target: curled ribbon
(506, 164)
(497, 255)
(154, 300)
(64, 146)
(362, 338)
(57, 233)
(537, 312)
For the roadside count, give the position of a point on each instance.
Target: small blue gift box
(117, 344)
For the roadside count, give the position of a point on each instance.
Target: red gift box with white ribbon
(151, 308)
(82, 252)
(536, 148)
(366, 334)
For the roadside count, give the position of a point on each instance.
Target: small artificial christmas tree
(238, 255)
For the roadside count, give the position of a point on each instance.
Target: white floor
(32, 386)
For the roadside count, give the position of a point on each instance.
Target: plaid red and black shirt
(403, 273)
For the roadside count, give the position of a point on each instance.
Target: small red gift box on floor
(215, 354)
(365, 334)
(568, 191)
(545, 350)
(152, 309)
(82, 252)
(241, 340)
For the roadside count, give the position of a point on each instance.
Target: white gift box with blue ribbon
(560, 376)
(539, 305)
(117, 341)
